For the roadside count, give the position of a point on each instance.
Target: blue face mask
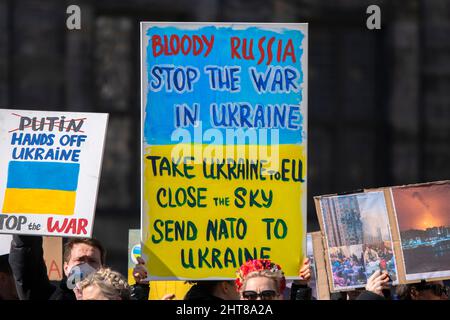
(79, 273)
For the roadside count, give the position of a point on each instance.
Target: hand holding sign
(140, 272)
(305, 273)
(377, 282)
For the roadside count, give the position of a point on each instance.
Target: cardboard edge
(324, 243)
(322, 287)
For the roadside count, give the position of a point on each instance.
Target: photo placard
(403, 230)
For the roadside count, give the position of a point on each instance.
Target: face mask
(79, 273)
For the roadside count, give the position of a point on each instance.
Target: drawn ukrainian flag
(41, 187)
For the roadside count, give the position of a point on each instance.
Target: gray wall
(379, 101)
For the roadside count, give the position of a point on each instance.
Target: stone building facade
(379, 100)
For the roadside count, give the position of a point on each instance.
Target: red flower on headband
(259, 265)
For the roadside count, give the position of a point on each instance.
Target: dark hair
(404, 291)
(68, 246)
(203, 289)
(4, 264)
(206, 285)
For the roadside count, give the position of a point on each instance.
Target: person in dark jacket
(81, 256)
(7, 286)
(213, 291)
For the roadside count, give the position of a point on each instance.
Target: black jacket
(198, 293)
(26, 259)
(368, 295)
(301, 292)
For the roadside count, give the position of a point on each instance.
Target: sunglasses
(264, 295)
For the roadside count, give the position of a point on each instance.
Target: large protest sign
(49, 171)
(224, 128)
(401, 230)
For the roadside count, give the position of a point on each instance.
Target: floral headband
(259, 265)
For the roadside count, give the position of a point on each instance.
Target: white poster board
(5, 243)
(49, 171)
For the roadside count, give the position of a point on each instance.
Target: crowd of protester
(347, 270)
(23, 276)
(377, 257)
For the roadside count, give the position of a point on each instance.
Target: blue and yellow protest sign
(49, 171)
(224, 153)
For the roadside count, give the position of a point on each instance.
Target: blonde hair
(112, 284)
(260, 268)
(276, 276)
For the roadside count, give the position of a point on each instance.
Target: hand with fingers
(140, 272)
(305, 273)
(169, 296)
(377, 282)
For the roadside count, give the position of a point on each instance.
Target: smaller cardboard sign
(53, 257)
(404, 230)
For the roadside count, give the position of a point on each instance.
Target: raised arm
(30, 273)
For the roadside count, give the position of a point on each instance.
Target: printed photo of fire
(423, 214)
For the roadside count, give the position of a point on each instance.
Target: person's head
(83, 250)
(105, 284)
(434, 290)
(225, 290)
(7, 284)
(260, 279)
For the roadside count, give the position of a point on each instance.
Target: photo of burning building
(423, 215)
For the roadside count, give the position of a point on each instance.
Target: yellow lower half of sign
(39, 201)
(203, 220)
(159, 289)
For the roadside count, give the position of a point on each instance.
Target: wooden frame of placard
(322, 287)
(394, 230)
(324, 242)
